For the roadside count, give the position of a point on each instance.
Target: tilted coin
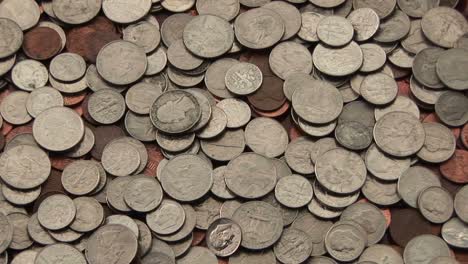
(144, 34)
(56, 212)
(243, 78)
(381, 7)
(293, 191)
(203, 100)
(439, 145)
(266, 136)
(435, 204)
(331, 199)
(452, 108)
(308, 31)
(12, 34)
(400, 57)
(198, 255)
(219, 187)
(76, 12)
(29, 75)
(7, 229)
(349, 57)
(67, 67)
(41, 99)
(401, 103)
(374, 57)
(288, 58)
(379, 253)
(289, 215)
(175, 143)
(13, 108)
(449, 68)
(317, 130)
(323, 211)
(66, 235)
(345, 235)
(298, 155)
(290, 15)
(119, 11)
(460, 206)
(84, 147)
(215, 77)
(224, 237)
(413, 181)
(258, 234)
(379, 89)
(225, 9)
(315, 228)
(424, 67)
(175, 111)
(435, 22)
(216, 124)
(124, 220)
(254, 3)
(115, 193)
(424, 248)
(250, 175)
(58, 253)
(140, 127)
(121, 62)
(383, 166)
(181, 58)
(80, 177)
(259, 28)
(186, 229)
(365, 22)
(353, 135)
(238, 112)
(120, 159)
(143, 194)
(415, 41)
(294, 246)
(380, 192)
(95, 81)
(393, 28)
(172, 28)
(38, 233)
(89, 214)
(141, 96)
(167, 218)
(20, 197)
(335, 31)
(453, 232)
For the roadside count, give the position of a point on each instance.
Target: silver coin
(125, 11)
(259, 28)
(333, 200)
(157, 61)
(67, 67)
(415, 41)
(80, 177)
(435, 204)
(310, 21)
(243, 78)
(402, 104)
(424, 67)
(439, 145)
(89, 214)
(227, 9)
(120, 158)
(289, 215)
(215, 126)
(205, 107)
(7, 231)
(452, 76)
(143, 194)
(68, 87)
(159, 251)
(77, 12)
(56, 212)
(353, 135)
(6, 64)
(253, 257)
(172, 28)
(460, 206)
(178, 5)
(413, 181)
(399, 134)
(345, 234)
(369, 217)
(167, 219)
(445, 260)
(454, 231)
(451, 107)
(417, 8)
(208, 36)
(27, 256)
(320, 260)
(381, 253)
(7, 208)
(237, 111)
(186, 229)
(124, 221)
(288, 58)
(374, 57)
(327, 3)
(175, 111)
(140, 97)
(65, 235)
(22, 139)
(250, 175)
(380, 192)
(462, 42)
(257, 234)
(84, 147)
(20, 197)
(226, 146)
(102, 244)
(224, 237)
(181, 247)
(181, 58)
(401, 58)
(298, 155)
(266, 137)
(29, 75)
(290, 14)
(382, 7)
(215, 77)
(34, 171)
(335, 31)
(12, 34)
(187, 187)
(140, 127)
(41, 99)
(121, 62)
(115, 191)
(435, 21)
(294, 191)
(287, 250)
(228, 208)
(13, 108)
(207, 212)
(26, 14)
(198, 255)
(365, 22)
(424, 248)
(340, 171)
(379, 89)
(58, 253)
(315, 228)
(295, 80)
(38, 233)
(95, 82)
(349, 57)
(182, 79)
(50, 132)
(219, 188)
(315, 130)
(144, 34)
(322, 211)
(393, 28)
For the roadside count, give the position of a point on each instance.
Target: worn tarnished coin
(120, 158)
(140, 127)
(345, 241)
(106, 106)
(439, 145)
(293, 191)
(123, 220)
(243, 78)
(417, 8)
(157, 61)
(227, 9)
(177, 5)
(315, 228)
(167, 218)
(186, 229)
(382, 7)
(198, 255)
(207, 212)
(224, 237)
(253, 257)
(13, 108)
(365, 22)
(125, 11)
(7, 232)
(20, 197)
(320, 260)
(393, 28)
(143, 194)
(41, 99)
(353, 135)
(237, 111)
(298, 155)
(380, 192)
(58, 129)
(379, 89)
(121, 62)
(436, 22)
(335, 31)
(374, 57)
(288, 58)
(175, 111)
(369, 217)
(413, 181)
(56, 212)
(103, 243)
(29, 75)
(424, 248)
(424, 67)
(294, 246)
(308, 31)
(89, 214)
(266, 137)
(181, 58)
(399, 134)
(187, 178)
(26, 14)
(261, 224)
(331, 199)
(450, 67)
(60, 253)
(290, 15)
(67, 67)
(172, 28)
(381, 254)
(24, 167)
(216, 124)
(219, 187)
(435, 204)
(84, 147)
(115, 193)
(340, 171)
(452, 108)
(76, 12)
(401, 103)
(12, 37)
(81, 177)
(95, 81)
(144, 34)
(460, 205)
(415, 41)
(27, 256)
(250, 175)
(326, 59)
(288, 214)
(226, 146)
(453, 232)
(259, 28)
(215, 77)
(38, 233)
(327, 3)
(208, 36)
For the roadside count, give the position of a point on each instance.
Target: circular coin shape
(120, 158)
(106, 106)
(335, 31)
(433, 247)
(24, 167)
(435, 204)
(42, 42)
(56, 212)
(450, 67)
(288, 58)
(417, 8)
(345, 235)
(60, 253)
(227, 9)
(382, 8)
(224, 237)
(143, 194)
(144, 34)
(29, 75)
(121, 62)
(365, 22)
(12, 37)
(327, 3)
(293, 191)
(259, 28)
(13, 108)
(353, 135)
(243, 78)
(119, 11)
(452, 108)
(266, 136)
(250, 175)
(399, 134)
(237, 111)
(439, 145)
(81, 177)
(413, 181)
(287, 251)
(435, 22)
(175, 112)
(379, 253)
(198, 255)
(460, 205)
(167, 218)
(258, 234)
(58, 129)
(67, 67)
(181, 58)
(451, 232)
(76, 12)
(424, 67)
(208, 36)
(338, 61)
(383, 166)
(379, 89)
(7, 232)
(89, 214)
(41, 99)
(341, 171)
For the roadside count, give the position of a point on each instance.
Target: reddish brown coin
(223, 261)
(74, 99)
(464, 136)
(154, 157)
(403, 88)
(198, 237)
(408, 223)
(88, 42)
(6, 128)
(456, 168)
(53, 183)
(2, 141)
(60, 162)
(103, 135)
(42, 43)
(281, 111)
(269, 96)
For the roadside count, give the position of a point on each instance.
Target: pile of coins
(233, 131)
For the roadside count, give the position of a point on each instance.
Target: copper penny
(53, 183)
(25, 129)
(464, 136)
(154, 157)
(60, 162)
(456, 168)
(6, 128)
(42, 43)
(103, 135)
(73, 99)
(198, 237)
(283, 109)
(403, 87)
(2, 141)
(406, 224)
(88, 43)
(223, 261)
(78, 109)
(269, 96)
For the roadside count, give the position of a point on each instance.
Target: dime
(215, 77)
(266, 136)
(168, 218)
(451, 232)
(374, 57)
(56, 212)
(310, 21)
(349, 57)
(439, 145)
(29, 75)
(431, 245)
(67, 67)
(219, 187)
(424, 67)
(216, 124)
(243, 78)
(287, 251)
(298, 155)
(413, 181)
(181, 58)
(333, 200)
(435, 21)
(293, 191)
(186, 229)
(227, 9)
(144, 34)
(365, 22)
(353, 135)
(41, 99)
(288, 58)
(120, 158)
(452, 76)
(89, 214)
(157, 61)
(80, 177)
(380, 192)
(58, 253)
(379, 89)
(257, 234)
(369, 217)
(20, 197)
(84, 147)
(106, 106)
(143, 194)
(125, 11)
(335, 31)
(237, 111)
(345, 234)
(224, 237)
(452, 108)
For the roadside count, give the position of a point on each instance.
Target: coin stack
(233, 131)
